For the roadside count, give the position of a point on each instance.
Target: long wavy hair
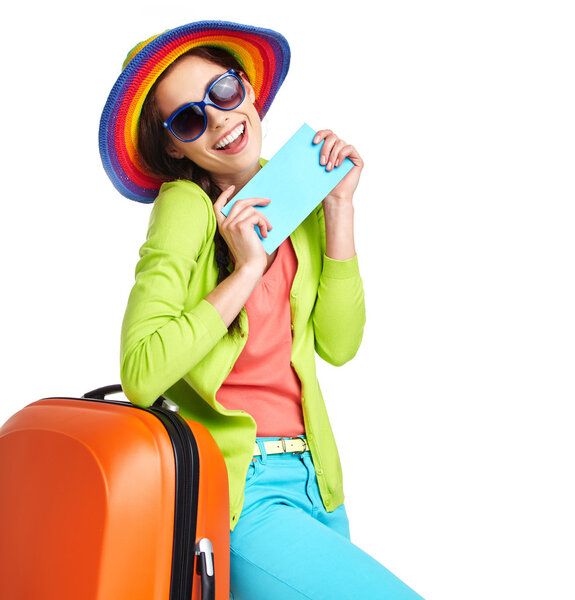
(153, 139)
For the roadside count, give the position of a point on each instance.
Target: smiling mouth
(232, 139)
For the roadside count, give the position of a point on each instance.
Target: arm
(169, 326)
(338, 204)
(339, 311)
(339, 314)
(250, 258)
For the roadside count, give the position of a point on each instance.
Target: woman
(223, 329)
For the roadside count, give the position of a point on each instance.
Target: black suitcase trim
(187, 468)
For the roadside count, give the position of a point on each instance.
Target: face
(188, 81)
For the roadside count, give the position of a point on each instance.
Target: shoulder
(181, 213)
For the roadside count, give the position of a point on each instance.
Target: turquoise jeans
(285, 545)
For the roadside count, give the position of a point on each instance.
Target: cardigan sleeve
(162, 336)
(339, 312)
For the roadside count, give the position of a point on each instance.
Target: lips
(234, 141)
(232, 138)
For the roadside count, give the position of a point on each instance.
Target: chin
(246, 152)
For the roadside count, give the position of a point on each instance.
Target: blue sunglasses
(189, 122)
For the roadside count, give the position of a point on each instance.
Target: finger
(245, 230)
(247, 204)
(328, 144)
(255, 217)
(239, 223)
(348, 151)
(333, 156)
(221, 201)
(263, 225)
(321, 135)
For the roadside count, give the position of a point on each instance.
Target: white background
(455, 421)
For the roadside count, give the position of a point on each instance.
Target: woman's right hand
(238, 231)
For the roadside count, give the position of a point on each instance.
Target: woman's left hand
(333, 152)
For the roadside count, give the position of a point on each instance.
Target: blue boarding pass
(295, 183)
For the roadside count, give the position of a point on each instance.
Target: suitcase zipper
(186, 499)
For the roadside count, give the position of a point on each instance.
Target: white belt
(295, 445)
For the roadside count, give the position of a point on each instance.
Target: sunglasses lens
(227, 93)
(189, 123)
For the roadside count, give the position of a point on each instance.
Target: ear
(173, 151)
(249, 89)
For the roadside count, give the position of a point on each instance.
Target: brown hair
(153, 139)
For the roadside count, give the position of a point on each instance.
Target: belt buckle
(302, 440)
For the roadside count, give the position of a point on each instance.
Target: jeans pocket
(254, 471)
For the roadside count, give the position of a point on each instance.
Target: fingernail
(322, 160)
(316, 139)
(329, 166)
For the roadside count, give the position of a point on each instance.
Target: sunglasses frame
(202, 106)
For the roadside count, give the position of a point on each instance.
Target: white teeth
(235, 134)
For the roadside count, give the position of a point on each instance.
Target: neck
(238, 180)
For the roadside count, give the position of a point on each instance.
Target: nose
(216, 118)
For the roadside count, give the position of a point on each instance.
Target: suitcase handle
(101, 393)
(205, 568)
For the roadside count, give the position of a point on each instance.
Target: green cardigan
(174, 342)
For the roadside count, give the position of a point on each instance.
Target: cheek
(255, 118)
(193, 151)
(256, 133)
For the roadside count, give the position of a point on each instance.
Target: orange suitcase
(102, 500)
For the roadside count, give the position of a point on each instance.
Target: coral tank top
(263, 382)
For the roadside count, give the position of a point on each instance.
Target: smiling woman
(213, 327)
(170, 102)
(233, 164)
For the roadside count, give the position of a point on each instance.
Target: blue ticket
(295, 183)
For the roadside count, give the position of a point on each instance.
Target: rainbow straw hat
(263, 54)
